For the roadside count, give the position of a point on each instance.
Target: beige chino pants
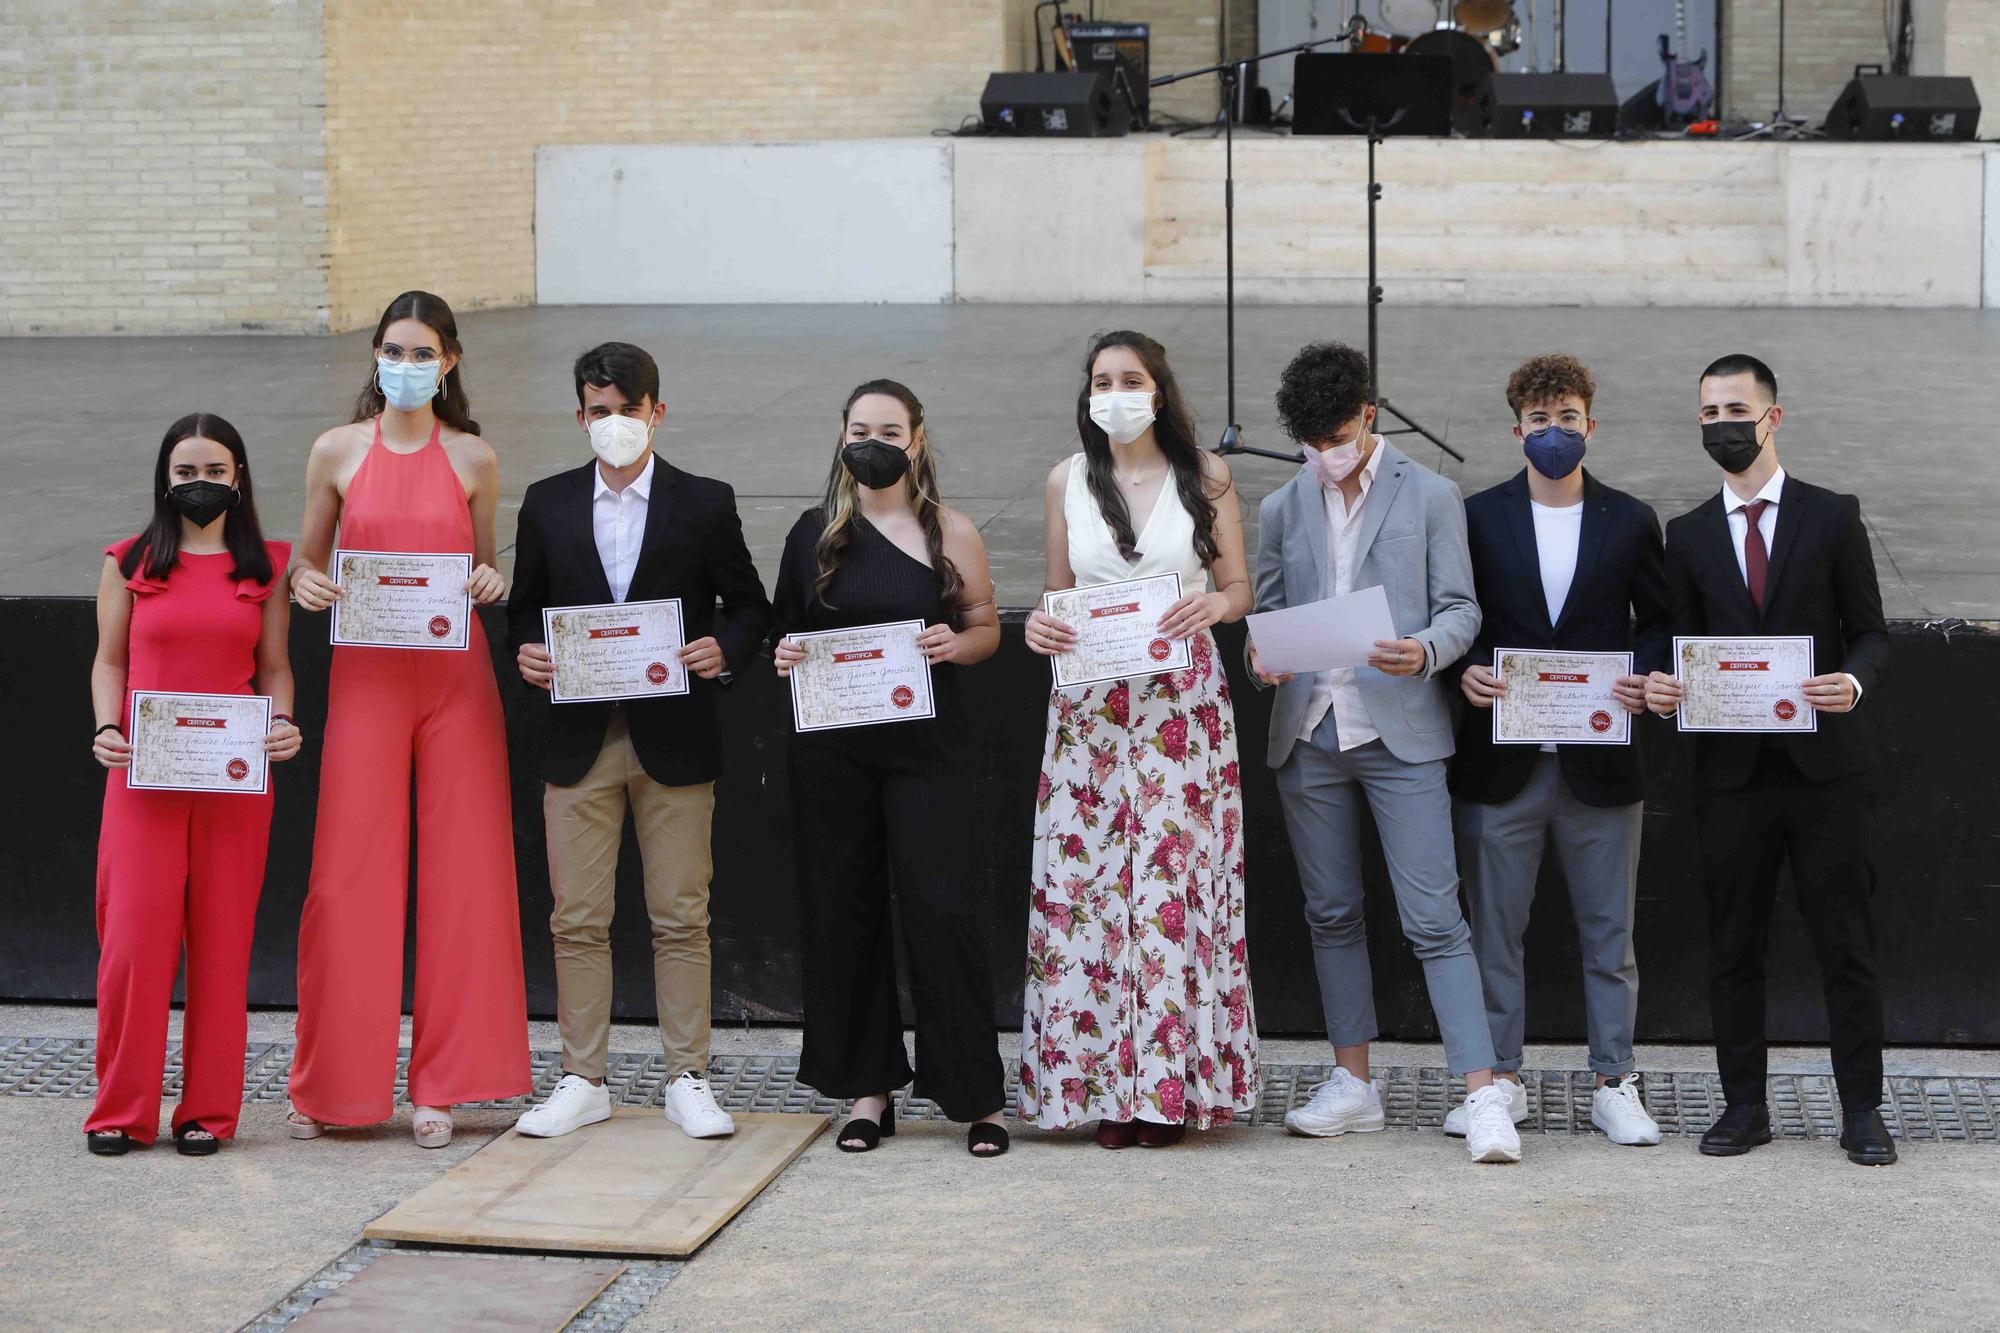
(585, 825)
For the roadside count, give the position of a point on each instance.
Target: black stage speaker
(1544, 106)
(1073, 106)
(1930, 108)
(1115, 50)
(1337, 94)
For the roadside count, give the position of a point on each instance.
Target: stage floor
(1895, 406)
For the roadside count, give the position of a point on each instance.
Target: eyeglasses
(416, 356)
(1540, 420)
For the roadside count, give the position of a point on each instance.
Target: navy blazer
(1616, 603)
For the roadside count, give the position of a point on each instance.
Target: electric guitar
(1684, 92)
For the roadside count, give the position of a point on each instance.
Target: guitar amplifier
(1920, 108)
(1543, 106)
(1116, 49)
(1066, 106)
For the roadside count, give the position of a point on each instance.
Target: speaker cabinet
(1077, 105)
(1905, 107)
(1544, 106)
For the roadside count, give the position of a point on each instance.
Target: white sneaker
(692, 1106)
(1454, 1123)
(576, 1102)
(1341, 1105)
(1622, 1116)
(1489, 1126)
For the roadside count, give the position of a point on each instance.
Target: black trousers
(866, 818)
(1824, 830)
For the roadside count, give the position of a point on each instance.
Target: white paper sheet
(1323, 635)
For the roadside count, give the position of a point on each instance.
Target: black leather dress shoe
(1867, 1139)
(1739, 1129)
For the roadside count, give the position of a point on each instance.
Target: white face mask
(619, 440)
(1333, 466)
(1122, 416)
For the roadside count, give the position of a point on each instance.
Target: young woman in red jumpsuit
(409, 474)
(186, 607)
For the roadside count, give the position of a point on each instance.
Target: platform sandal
(302, 1126)
(431, 1127)
(983, 1138)
(108, 1142)
(869, 1132)
(187, 1145)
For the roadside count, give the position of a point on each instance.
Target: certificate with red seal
(199, 742)
(1745, 684)
(861, 677)
(617, 650)
(395, 599)
(1117, 630)
(1557, 698)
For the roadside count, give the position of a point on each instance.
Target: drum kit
(1473, 33)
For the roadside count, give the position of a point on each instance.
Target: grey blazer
(1412, 542)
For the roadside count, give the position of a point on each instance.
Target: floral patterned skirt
(1138, 993)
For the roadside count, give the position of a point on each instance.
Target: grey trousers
(1323, 789)
(1500, 851)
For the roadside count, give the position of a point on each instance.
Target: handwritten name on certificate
(199, 742)
(618, 650)
(1117, 630)
(860, 677)
(1560, 698)
(1744, 684)
(390, 599)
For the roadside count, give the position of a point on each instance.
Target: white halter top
(1165, 539)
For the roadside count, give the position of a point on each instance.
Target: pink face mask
(1332, 466)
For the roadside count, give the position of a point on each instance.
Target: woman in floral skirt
(1139, 1014)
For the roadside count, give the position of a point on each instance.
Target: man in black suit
(1771, 555)
(1562, 562)
(631, 527)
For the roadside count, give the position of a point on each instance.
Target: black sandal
(188, 1147)
(870, 1132)
(984, 1134)
(108, 1142)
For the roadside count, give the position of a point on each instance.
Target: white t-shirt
(1558, 532)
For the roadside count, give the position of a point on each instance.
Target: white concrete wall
(846, 221)
(1992, 283)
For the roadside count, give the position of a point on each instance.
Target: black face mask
(1732, 444)
(874, 463)
(202, 501)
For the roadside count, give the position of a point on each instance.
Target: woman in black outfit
(889, 804)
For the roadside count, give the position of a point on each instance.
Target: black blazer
(1821, 581)
(1620, 579)
(694, 550)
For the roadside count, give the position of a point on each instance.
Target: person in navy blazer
(1560, 561)
(628, 526)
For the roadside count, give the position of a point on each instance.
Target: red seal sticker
(440, 626)
(1159, 650)
(238, 770)
(657, 673)
(1600, 722)
(902, 696)
(1785, 709)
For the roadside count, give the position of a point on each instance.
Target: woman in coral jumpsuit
(184, 607)
(410, 474)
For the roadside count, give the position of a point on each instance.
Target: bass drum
(1471, 60)
(1410, 17)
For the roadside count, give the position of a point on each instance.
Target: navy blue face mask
(1554, 452)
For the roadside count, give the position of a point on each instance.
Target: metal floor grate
(1803, 1106)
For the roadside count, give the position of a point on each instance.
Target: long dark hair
(159, 546)
(1173, 428)
(451, 405)
(839, 509)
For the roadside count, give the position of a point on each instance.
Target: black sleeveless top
(875, 582)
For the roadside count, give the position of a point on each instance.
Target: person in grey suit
(1362, 513)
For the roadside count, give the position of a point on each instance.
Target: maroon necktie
(1756, 559)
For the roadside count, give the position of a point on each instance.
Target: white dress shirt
(618, 520)
(1558, 534)
(1767, 526)
(1336, 689)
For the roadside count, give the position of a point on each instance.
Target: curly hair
(1324, 388)
(1547, 379)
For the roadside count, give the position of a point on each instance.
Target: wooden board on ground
(632, 1185)
(461, 1293)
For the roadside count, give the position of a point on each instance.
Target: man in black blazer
(630, 527)
(1561, 562)
(1771, 555)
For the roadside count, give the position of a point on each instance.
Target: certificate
(1560, 698)
(618, 650)
(1326, 635)
(390, 599)
(1117, 630)
(1744, 684)
(199, 742)
(859, 677)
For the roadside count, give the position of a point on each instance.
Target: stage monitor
(1068, 106)
(1404, 94)
(1544, 106)
(1921, 108)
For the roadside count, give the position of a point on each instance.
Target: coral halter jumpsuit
(389, 711)
(178, 867)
